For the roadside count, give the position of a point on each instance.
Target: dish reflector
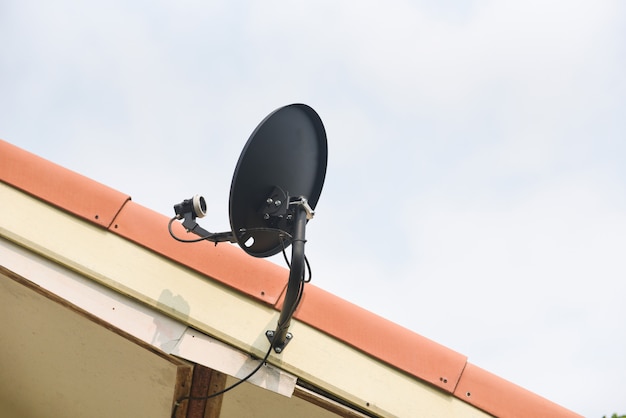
(285, 158)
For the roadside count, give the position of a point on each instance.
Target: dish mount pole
(280, 337)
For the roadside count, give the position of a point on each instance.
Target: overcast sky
(476, 180)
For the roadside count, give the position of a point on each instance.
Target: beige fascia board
(133, 317)
(218, 311)
(202, 349)
(132, 270)
(141, 321)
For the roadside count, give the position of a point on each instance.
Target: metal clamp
(278, 348)
(302, 201)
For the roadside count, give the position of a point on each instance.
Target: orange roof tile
(382, 339)
(224, 263)
(59, 186)
(502, 398)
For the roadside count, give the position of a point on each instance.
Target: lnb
(195, 205)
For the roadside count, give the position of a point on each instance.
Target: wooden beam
(334, 406)
(205, 382)
(183, 386)
(217, 382)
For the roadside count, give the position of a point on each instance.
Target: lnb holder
(190, 209)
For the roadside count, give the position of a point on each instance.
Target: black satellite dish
(283, 161)
(275, 188)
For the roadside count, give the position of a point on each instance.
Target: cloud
(475, 180)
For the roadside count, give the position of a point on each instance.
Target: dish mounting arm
(280, 337)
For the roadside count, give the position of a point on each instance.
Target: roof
(411, 354)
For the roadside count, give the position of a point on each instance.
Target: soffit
(145, 333)
(61, 361)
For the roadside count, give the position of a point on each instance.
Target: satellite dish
(276, 185)
(284, 159)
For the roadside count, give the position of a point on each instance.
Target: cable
(234, 385)
(308, 267)
(303, 280)
(281, 235)
(169, 228)
(306, 260)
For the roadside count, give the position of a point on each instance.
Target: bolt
(270, 333)
(278, 350)
(269, 201)
(289, 336)
(266, 216)
(277, 203)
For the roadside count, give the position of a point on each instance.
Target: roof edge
(371, 334)
(59, 186)
(382, 339)
(502, 398)
(222, 262)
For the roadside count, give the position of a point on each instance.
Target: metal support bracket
(280, 347)
(310, 213)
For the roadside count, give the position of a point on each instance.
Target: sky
(475, 190)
